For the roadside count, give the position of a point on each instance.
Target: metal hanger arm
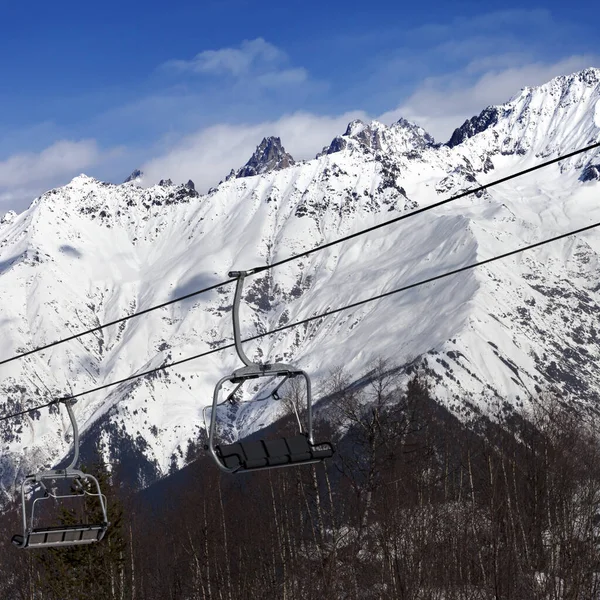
(236, 314)
(68, 402)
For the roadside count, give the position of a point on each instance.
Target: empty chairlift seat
(62, 535)
(266, 454)
(45, 491)
(253, 455)
(39, 491)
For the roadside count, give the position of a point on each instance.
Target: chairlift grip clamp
(67, 400)
(242, 274)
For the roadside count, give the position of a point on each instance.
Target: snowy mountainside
(91, 252)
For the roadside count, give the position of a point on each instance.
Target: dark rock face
(418, 136)
(591, 173)
(475, 125)
(269, 156)
(182, 193)
(373, 137)
(364, 134)
(337, 145)
(135, 174)
(165, 183)
(353, 127)
(589, 76)
(460, 180)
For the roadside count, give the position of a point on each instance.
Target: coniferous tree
(94, 570)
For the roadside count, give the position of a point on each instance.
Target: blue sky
(188, 89)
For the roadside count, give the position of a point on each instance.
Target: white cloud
(26, 175)
(255, 63)
(208, 155)
(60, 158)
(276, 79)
(251, 55)
(440, 104)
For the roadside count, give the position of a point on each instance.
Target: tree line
(416, 504)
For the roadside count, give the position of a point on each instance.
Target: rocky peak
(269, 155)
(409, 126)
(413, 135)
(9, 217)
(591, 173)
(82, 179)
(475, 125)
(534, 116)
(402, 137)
(136, 176)
(370, 136)
(355, 128)
(232, 175)
(589, 77)
(367, 135)
(337, 145)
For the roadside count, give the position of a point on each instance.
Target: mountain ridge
(90, 252)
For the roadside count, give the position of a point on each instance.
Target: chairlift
(262, 454)
(42, 490)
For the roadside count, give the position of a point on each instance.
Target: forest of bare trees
(414, 505)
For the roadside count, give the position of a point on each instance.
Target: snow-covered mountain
(270, 155)
(91, 252)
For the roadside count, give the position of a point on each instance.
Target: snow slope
(91, 252)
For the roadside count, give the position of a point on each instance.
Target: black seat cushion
(256, 454)
(322, 450)
(299, 448)
(231, 455)
(278, 452)
(259, 454)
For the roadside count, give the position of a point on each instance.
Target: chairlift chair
(255, 455)
(82, 486)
